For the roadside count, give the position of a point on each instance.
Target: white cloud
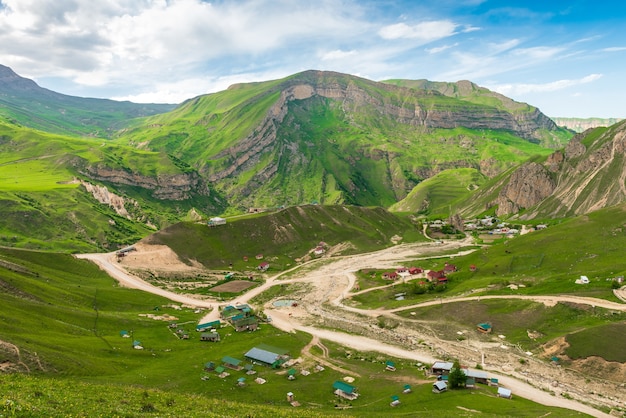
(337, 55)
(614, 49)
(439, 49)
(520, 89)
(424, 31)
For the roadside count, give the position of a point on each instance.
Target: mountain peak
(10, 81)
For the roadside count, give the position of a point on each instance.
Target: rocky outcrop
(586, 176)
(163, 186)
(358, 97)
(528, 186)
(104, 196)
(582, 124)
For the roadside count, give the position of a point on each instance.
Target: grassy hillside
(44, 206)
(550, 260)
(438, 195)
(24, 102)
(332, 138)
(62, 321)
(286, 235)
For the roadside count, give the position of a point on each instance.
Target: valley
(360, 226)
(323, 310)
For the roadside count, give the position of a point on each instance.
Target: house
(137, 345)
(472, 267)
(264, 266)
(441, 367)
(124, 334)
(395, 400)
(390, 366)
(319, 250)
(505, 393)
(470, 383)
(390, 275)
(416, 270)
(449, 268)
(216, 221)
(485, 327)
(291, 374)
(209, 366)
(208, 325)
(210, 336)
(434, 275)
(442, 280)
(248, 323)
(479, 376)
(345, 390)
(265, 357)
(407, 389)
(231, 363)
(493, 382)
(259, 257)
(440, 386)
(402, 270)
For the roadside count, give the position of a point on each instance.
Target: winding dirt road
(332, 280)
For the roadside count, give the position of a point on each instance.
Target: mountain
(582, 124)
(527, 117)
(24, 102)
(74, 194)
(334, 138)
(587, 175)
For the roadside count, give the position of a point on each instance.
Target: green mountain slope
(470, 92)
(287, 235)
(72, 194)
(333, 138)
(439, 195)
(24, 102)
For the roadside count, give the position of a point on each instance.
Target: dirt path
(330, 282)
(106, 262)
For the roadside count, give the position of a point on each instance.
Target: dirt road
(329, 281)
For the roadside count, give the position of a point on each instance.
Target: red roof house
(416, 270)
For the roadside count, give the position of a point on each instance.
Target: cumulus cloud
(519, 89)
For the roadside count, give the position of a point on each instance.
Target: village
(250, 367)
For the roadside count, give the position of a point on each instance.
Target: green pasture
(74, 338)
(514, 318)
(284, 237)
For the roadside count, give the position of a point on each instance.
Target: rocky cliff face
(163, 187)
(587, 175)
(582, 124)
(355, 99)
(104, 196)
(528, 186)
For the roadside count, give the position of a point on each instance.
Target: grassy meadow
(286, 236)
(72, 361)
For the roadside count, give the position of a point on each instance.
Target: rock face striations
(589, 174)
(384, 121)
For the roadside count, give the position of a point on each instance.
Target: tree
(456, 378)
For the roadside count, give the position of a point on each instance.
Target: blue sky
(567, 58)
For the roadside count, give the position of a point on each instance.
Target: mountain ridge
(23, 101)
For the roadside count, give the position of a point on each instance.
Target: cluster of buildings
(432, 276)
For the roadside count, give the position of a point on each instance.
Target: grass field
(74, 342)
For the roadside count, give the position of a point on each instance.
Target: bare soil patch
(157, 258)
(235, 286)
